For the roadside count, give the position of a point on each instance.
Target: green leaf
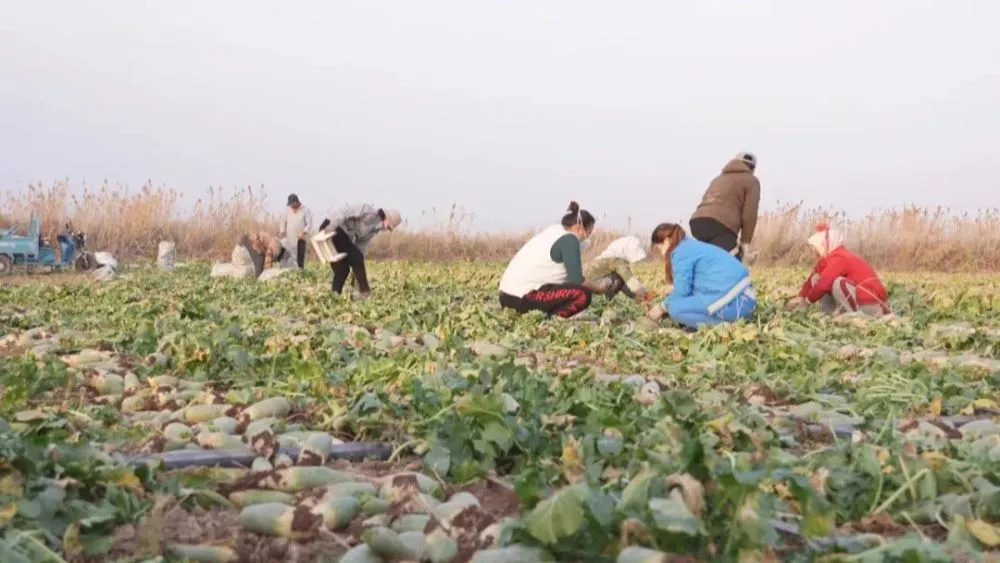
(558, 516)
(672, 515)
(438, 458)
(609, 446)
(601, 507)
(29, 508)
(498, 434)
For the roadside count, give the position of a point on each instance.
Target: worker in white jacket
(297, 224)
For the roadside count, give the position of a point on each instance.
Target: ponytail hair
(576, 216)
(670, 234)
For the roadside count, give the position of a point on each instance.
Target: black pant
(711, 231)
(258, 261)
(618, 285)
(353, 262)
(564, 300)
(301, 253)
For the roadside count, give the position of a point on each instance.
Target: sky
(509, 109)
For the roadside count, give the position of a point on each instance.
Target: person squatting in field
(711, 286)
(615, 266)
(353, 228)
(842, 281)
(265, 250)
(546, 274)
(729, 207)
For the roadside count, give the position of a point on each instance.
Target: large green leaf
(672, 515)
(558, 516)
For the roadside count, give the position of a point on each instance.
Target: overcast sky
(508, 108)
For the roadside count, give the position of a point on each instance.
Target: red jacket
(844, 263)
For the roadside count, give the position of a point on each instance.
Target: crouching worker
(842, 281)
(711, 286)
(615, 266)
(546, 274)
(265, 250)
(353, 229)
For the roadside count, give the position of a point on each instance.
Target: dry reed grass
(131, 223)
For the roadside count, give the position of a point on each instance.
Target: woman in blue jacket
(710, 285)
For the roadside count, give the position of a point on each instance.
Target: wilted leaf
(693, 491)
(572, 460)
(986, 533)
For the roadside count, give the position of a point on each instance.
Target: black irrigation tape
(180, 459)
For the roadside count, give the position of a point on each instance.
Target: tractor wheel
(84, 262)
(6, 266)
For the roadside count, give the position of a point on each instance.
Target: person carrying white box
(349, 230)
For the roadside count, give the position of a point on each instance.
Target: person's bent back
(727, 214)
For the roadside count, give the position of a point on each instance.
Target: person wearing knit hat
(842, 281)
(354, 227)
(613, 267)
(727, 214)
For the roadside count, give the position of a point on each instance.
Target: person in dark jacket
(842, 281)
(354, 228)
(727, 214)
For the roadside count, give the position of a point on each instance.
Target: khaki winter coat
(266, 244)
(732, 199)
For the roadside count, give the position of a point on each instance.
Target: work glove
(656, 312)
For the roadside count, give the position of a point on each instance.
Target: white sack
(241, 256)
(224, 270)
(166, 254)
(291, 246)
(104, 273)
(105, 259)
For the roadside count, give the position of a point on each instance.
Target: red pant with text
(564, 300)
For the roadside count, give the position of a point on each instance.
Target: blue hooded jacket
(703, 271)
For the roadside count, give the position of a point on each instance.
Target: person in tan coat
(265, 250)
(727, 214)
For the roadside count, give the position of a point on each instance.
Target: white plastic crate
(322, 243)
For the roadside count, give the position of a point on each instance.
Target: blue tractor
(33, 250)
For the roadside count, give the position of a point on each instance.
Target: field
(793, 437)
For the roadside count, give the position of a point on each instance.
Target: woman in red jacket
(842, 281)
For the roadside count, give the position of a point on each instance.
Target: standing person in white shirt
(298, 223)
